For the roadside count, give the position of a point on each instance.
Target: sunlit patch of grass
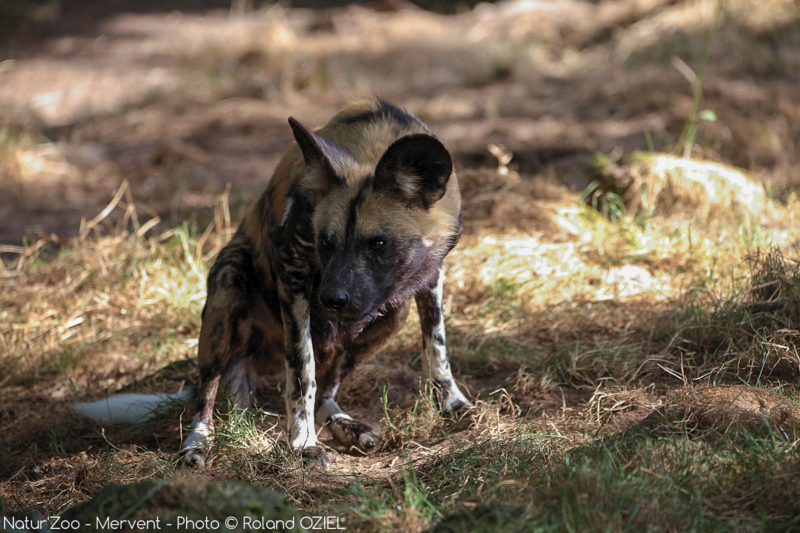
(497, 276)
(578, 298)
(135, 296)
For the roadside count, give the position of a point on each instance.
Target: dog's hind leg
(232, 335)
(196, 445)
(431, 317)
(239, 382)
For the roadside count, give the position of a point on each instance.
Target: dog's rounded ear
(331, 160)
(416, 168)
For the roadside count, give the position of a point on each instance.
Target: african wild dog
(356, 220)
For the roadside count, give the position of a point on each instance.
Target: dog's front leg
(437, 364)
(301, 384)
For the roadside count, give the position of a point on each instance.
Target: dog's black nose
(334, 299)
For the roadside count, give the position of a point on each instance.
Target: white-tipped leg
(301, 383)
(345, 429)
(437, 364)
(197, 443)
(300, 408)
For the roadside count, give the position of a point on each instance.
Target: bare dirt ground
(562, 324)
(182, 103)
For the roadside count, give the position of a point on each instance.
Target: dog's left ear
(416, 168)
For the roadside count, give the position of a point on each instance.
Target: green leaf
(708, 115)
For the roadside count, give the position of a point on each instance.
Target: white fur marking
(129, 407)
(436, 355)
(198, 436)
(301, 316)
(301, 409)
(440, 366)
(286, 210)
(330, 410)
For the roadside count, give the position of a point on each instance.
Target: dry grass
(565, 350)
(632, 353)
(748, 333)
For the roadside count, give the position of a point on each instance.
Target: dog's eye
(326, 243)
(376, 244)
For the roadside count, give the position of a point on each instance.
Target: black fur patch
(254, 341)
(426, 164)
(233, 269)
(295, 260)
(386, 111)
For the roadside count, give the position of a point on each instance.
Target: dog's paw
(449, 398)
(368, 440)
(353, 434)
(316, 455)
(458, 405)
(455, 403)
(194, 457)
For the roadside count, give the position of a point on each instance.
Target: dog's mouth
(346, 315)
(349, 313)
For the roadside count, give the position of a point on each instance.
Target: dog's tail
(130, 407)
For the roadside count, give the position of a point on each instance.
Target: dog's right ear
(327, 161)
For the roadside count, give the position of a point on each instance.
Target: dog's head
(381, 230)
